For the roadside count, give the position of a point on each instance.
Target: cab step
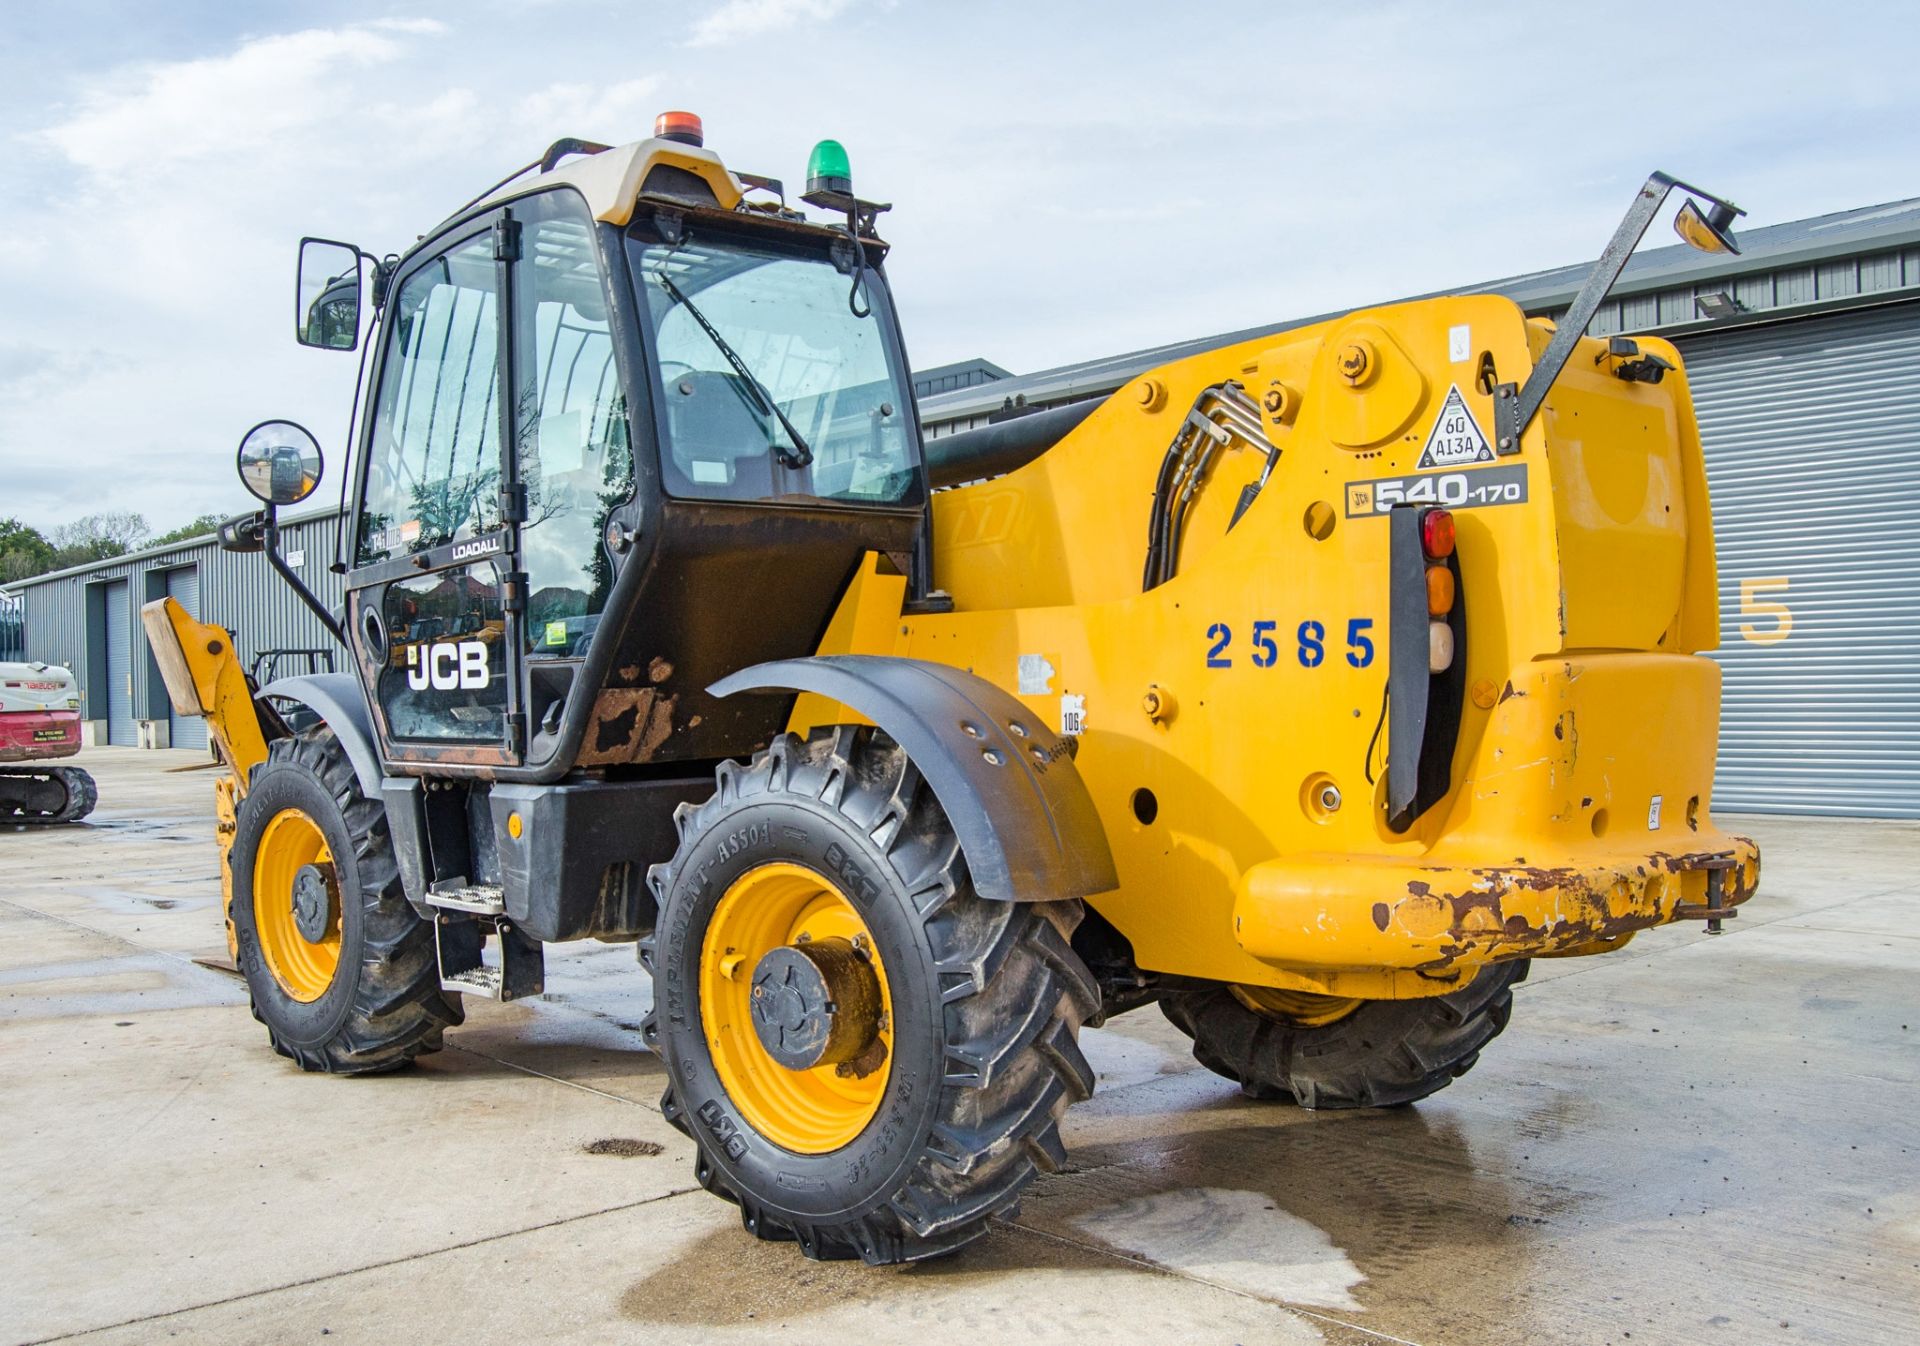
(479, 899)
(471, 916)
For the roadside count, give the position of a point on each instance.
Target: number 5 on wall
(1753, 605)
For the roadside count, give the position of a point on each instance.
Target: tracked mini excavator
(39, 724)
(1306, 687)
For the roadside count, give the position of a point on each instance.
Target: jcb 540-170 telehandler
(1308, 687)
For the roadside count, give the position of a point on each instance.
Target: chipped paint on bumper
(1381, 912)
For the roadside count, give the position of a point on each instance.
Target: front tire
(1369, 1054)
(952, 1106)
(339, 967)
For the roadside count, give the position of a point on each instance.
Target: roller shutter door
(1812, 437)
(183, 586)
(120, 728)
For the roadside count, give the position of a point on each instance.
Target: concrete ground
(1693, 1140)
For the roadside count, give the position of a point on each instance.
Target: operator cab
(710, 421)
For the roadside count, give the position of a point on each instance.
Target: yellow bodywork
(1227, 718)
(203, 677)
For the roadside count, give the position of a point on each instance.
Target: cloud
(741, 19)
(565, 109)
(156, 118)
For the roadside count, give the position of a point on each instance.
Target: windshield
(770, 385)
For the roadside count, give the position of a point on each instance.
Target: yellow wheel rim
(1303, 1008)
(304, 968)
(810, 1111)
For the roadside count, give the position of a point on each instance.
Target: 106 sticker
(1308, 640)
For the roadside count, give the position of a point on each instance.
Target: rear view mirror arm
(1514, 407)
(269, 534)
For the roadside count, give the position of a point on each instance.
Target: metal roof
(959, 374)
(1773, 248)
(185, 544)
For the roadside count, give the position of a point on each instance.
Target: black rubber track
(1387, 1052)
(79, 797)
(1006, 998)
(386, 1006)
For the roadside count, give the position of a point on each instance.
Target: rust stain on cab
(628, 724)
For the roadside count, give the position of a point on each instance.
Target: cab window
(574, 455)
(774, 377)
(433, 467)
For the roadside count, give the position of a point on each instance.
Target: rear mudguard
(1026, 822)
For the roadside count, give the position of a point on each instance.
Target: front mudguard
(336, 698)
(1026, 822)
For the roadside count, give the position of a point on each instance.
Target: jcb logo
(448, 665)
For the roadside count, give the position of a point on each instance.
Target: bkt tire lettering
(721, 1128)
(448, 666)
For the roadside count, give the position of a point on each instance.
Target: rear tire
(378, 1003)
(1384, 1053)
(987, 998)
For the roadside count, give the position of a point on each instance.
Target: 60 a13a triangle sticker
(1455, 439)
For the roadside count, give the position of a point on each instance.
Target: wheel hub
(815, 1003)
(313, 901)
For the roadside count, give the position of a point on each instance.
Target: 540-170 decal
(1467, 489)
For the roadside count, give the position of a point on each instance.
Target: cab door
(435, 598)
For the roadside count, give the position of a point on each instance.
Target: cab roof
(612, 180)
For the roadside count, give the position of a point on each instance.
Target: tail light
(1436, 540)
(1426, 667)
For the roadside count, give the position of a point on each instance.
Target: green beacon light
(828, 172)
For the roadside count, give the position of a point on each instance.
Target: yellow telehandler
(1307, 687)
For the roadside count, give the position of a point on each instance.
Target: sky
(1069, 180)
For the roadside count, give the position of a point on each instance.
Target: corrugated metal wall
(1836, 278)
(238, 591)
(118, 629)
(183, 585)
(1812, 436)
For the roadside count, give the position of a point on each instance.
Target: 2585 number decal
(1309, 640)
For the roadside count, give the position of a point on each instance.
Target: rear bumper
(33, 735)
(1381, 912)
(1578, 816)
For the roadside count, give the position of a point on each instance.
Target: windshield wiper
(800, 455)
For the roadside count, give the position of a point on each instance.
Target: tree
(96, 537)
(203, 526)
(24, 551)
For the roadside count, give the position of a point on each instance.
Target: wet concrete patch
(111, 987)
(1237, 1240)
(1011, 1285)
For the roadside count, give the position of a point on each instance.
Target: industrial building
(88, 619)
(1804, 356)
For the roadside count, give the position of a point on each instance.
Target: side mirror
(1711, 232)
(279, 462)
(327, 302)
